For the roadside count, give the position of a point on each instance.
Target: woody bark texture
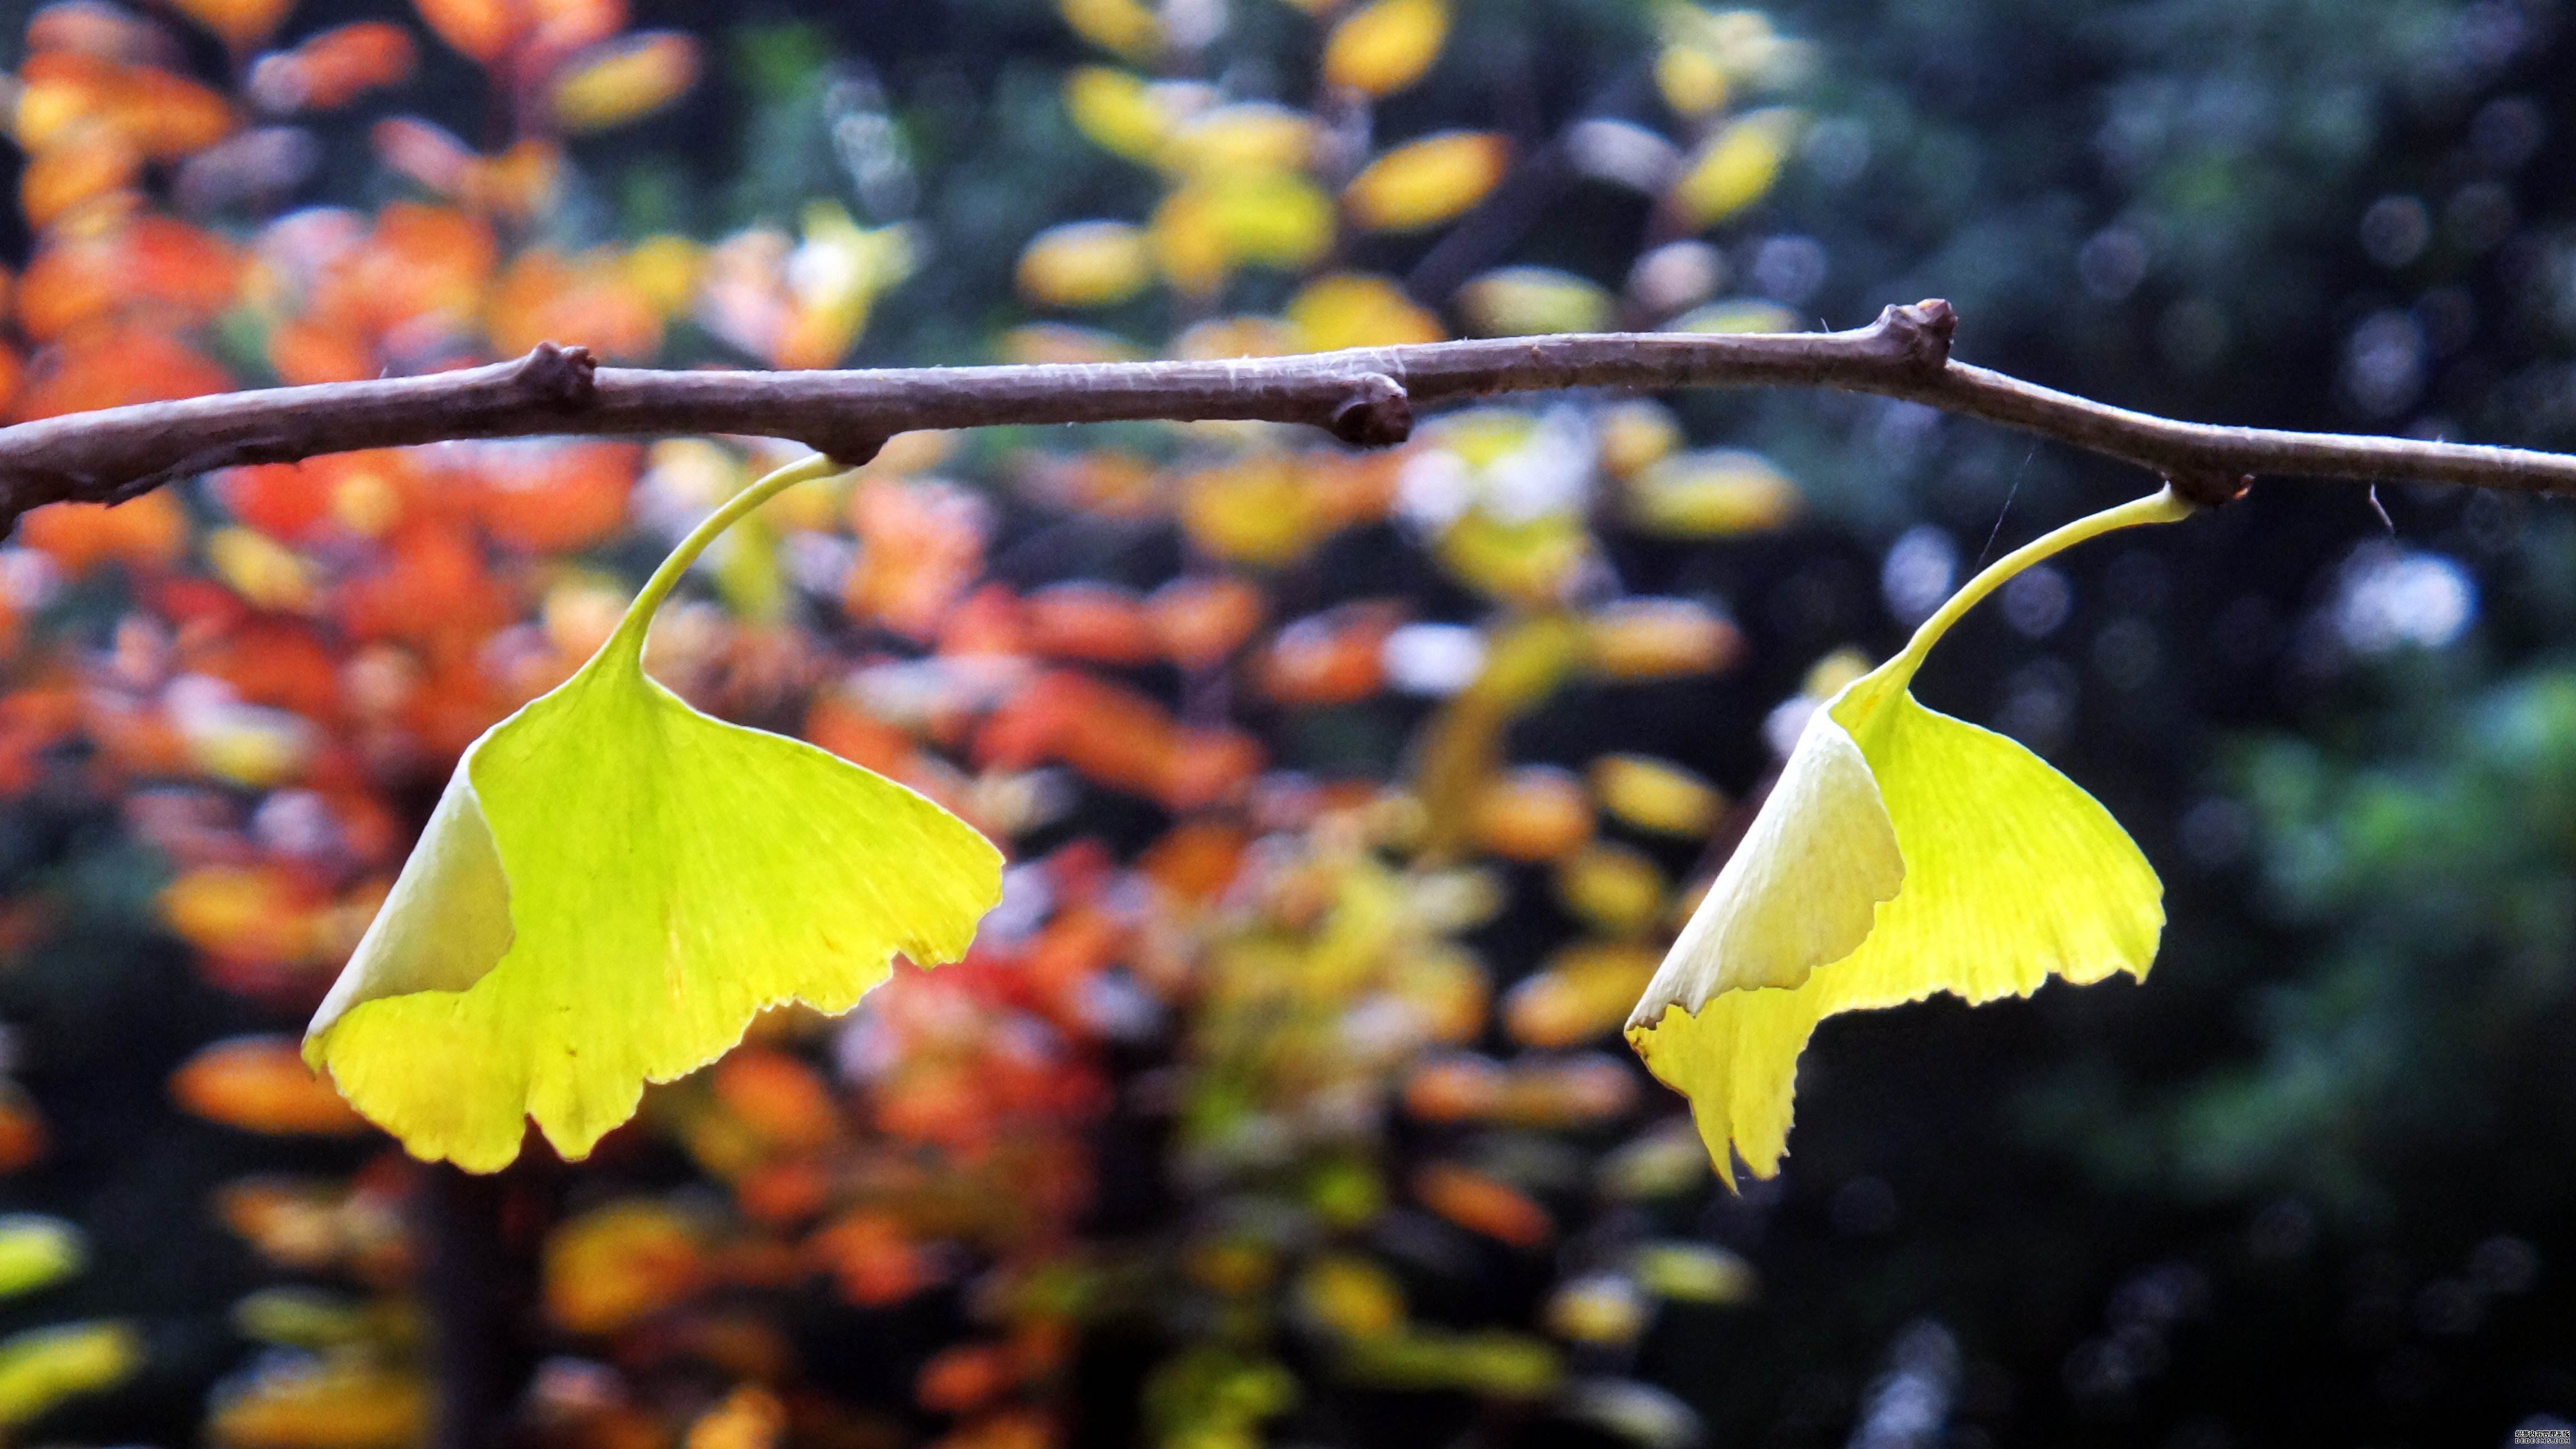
(1365, 396)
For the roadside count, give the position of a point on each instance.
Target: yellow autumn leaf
(38, 1252)
(612, 887)
(1426, 182)
(1347, 309)
(1085, 264)
(1636, 433)
(1692, 78)
(1524, 301)
(42, 1367)
(1614, 888)
(1384, 46)
(1901, 853)
(1279, 221)
(1738, 315)
(1239, 144)
(266, 573)
(1202, 232)
(1654, 795)
(1125, 27)
(1714, 494)
(1118, 111)
(1735, 167)
(624, 80)
(664, 270)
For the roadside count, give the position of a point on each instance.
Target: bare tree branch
(1364, 396)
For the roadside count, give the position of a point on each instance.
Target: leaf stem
(2163, 506)
(627, 644)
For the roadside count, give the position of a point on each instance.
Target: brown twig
(1364, 396)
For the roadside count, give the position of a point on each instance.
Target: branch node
(2207, 488)
(563, 376)
(1377, 414)
(1921, 334)
(852, 449)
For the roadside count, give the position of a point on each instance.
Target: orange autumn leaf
(116, 368)
(587, 301)
(1462, 1088)
(22, 1131)
(480, 30)
(419, 262)
(164, 116)
(749, 1418)
(1117, 737)
(1212, 766)
(433, 589)
(987, 621)
(304, 353)
(1197, 860)
(147, 531)
(964, 1378)
(1483, 1204)
(557, 497)
(1099, 623)
(61, 179)
(428, 154)
(333, 68)
(283, 500)
(146, 264)
(783, 1191)
(921, 546)
(1201, 620)
(871, 1259)
(1337, 657)
(615, 1265)
(241, 24)
(260, 1084)
(269, 660)
(781, 1099)
(846, 729)
(1536, 812)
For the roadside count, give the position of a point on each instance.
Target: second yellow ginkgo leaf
(1901, 853)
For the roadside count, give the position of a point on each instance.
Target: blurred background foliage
(1350, 797)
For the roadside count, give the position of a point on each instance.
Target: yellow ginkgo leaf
(1735, 167)
(37, 1252)
(1344, 309)
(1384, 46)
(1902, 852)
(1692, 78)
(1085, 264)
(1714, 494)
(1118, 111)
(1127, 27)
(625, 79)
(1525, 301)
(42, 1367)
(1426, 182)
(1241, 144)
(612, 887)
